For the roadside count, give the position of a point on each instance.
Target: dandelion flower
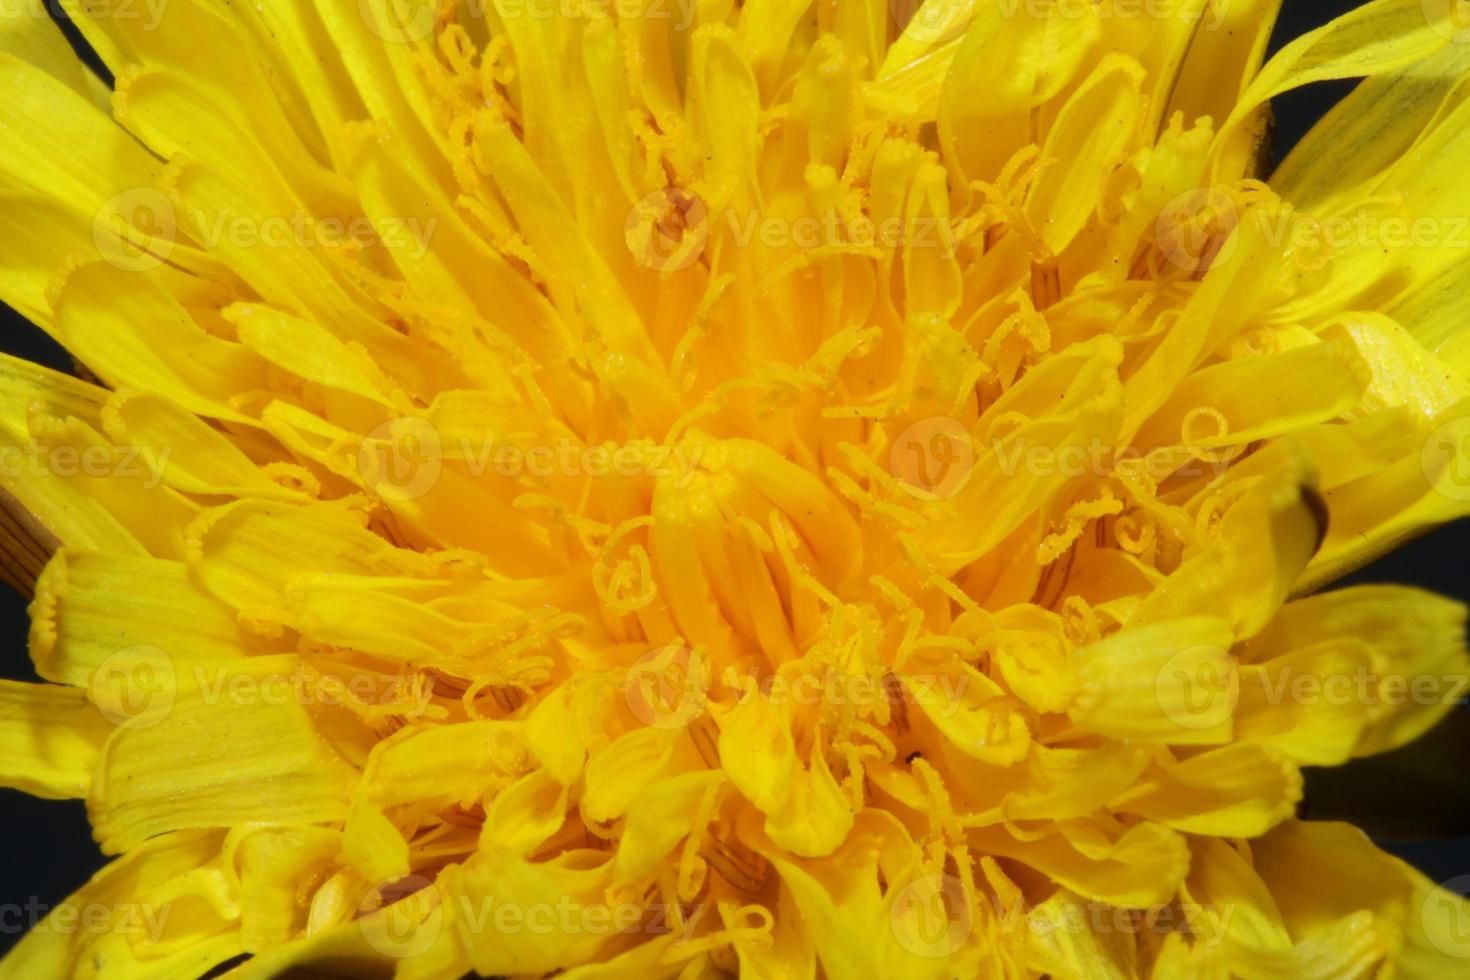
(787, 489)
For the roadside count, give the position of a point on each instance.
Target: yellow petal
(1239, 790)
(52, 736)
(147, 924)
(1171, 682)
(216, 747)
(1419, 667)
(92, 606)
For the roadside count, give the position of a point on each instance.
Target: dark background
(49, 851)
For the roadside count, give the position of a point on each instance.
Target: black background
(49, 850)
